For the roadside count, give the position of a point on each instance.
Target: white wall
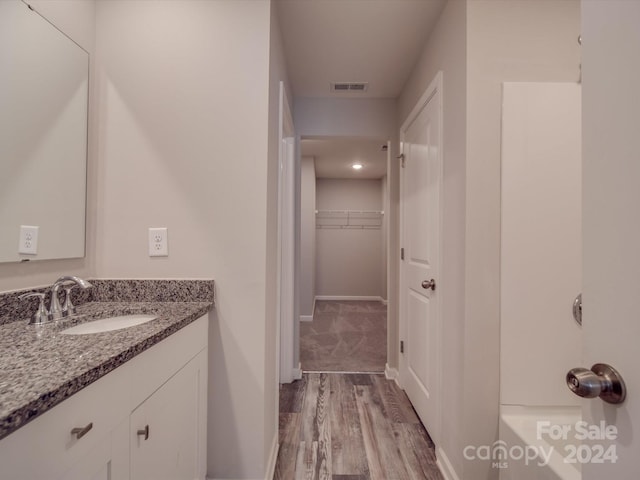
(478, 45)
(77, 19)
(526, 40)
(348, 260)
(334, 117)
(446, 51)
(183, 144)
(307, 283)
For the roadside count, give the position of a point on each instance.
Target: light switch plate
(28, 240)
(158, 242)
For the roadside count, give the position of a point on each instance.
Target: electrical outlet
(28, 240)
(158, 243)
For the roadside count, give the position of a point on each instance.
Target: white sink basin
(109, 324)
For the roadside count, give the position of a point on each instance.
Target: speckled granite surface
(106, 290)
(40, 367)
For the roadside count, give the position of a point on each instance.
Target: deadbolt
(601, 381)
(429, 284)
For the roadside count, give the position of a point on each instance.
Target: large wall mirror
(44, 79)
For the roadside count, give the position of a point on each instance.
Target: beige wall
(349, 260)
(183, 144)
(277, 74)
(334, 117)
(77, 20)
(446, 51)
(527, 40)
(478, 45)
(307, 283)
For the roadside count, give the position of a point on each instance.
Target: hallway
(351, 427)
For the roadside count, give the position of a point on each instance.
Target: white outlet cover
(158, 242)
(28, 244)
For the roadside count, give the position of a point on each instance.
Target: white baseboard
(273, 457)
(217, 478)
(297, 372)
(391, 373)
(445, 465)
(372, 298)
(309, 318)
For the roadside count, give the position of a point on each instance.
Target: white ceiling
(335, 155)
(375, 41)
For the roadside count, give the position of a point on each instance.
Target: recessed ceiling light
(356, 166)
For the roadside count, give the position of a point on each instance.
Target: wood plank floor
(336, 426)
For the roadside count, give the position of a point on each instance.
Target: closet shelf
(370, 219)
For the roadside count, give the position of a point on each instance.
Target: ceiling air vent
(349, 87)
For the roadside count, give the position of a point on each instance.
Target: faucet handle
(68, 305)
(41, 315)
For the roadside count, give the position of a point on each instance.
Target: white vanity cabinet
(163, 389)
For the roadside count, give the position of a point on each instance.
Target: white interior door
(420, 271)
(611, 201)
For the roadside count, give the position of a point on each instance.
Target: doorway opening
(343, 254)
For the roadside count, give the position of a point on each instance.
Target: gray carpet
(345, 336)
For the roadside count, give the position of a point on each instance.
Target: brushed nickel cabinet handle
(80, 432)
(145, 432)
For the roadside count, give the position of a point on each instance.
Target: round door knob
(429, 284)
(601, 381)
(584, 383)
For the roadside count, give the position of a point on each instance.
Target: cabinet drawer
(45, 448)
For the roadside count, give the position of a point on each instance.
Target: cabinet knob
(80, 432)
(145, 432)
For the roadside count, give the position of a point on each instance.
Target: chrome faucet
(56, 311)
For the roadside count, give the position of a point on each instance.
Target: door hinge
(401, 157)
(401, 346)
(402, 254)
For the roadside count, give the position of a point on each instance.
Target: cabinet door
(108, 460)
(95, 465)
(165, 429)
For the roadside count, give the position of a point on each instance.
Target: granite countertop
(40, 367)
